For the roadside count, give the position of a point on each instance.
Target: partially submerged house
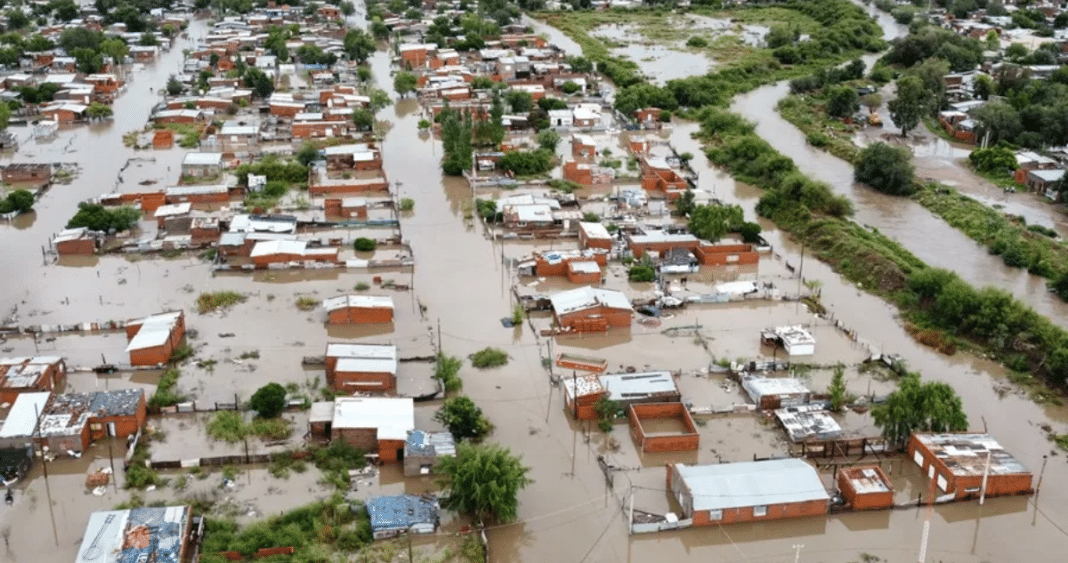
(359, 309)
(379, 425)
(771, 393)
(808, 422)
(626, 389)
(21, 422)
(423, 449)
(748, 491)
(27, 375)
(957, 463)
(590, 309)
(865, 487)
(152, 340)
(663, 427)
(158, 534)
(361, 367)
(796, 339)
(395, 515)
(72, 421)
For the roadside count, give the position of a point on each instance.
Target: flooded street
(461, 279)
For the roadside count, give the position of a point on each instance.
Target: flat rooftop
(965, 454)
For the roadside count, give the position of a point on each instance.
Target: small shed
(394, 515)
(423, 449)
(202, 164)
(320, 416)
(771, 393)
(804, 422)
(359, 309)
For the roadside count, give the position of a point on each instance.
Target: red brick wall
(584, 277)
(586, 242)
(637, 249)
(720, 255)
(151, 356)
(80, 247)
(390, 450)
(360, 315)
(614, 318)
(775, 512)
(221, 197)
(996, 485)
(585, 406)
(363, 438)
(285, 111)
(340, 188)
(677, 443)
(358, 381)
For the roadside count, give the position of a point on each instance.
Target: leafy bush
(998, 159)
(269, 400)
(526, 163)
(489, 357)
(274, 169)
(641, 273)
(607, 411)
(447, 371)
(165, 395)
(18, 200)
(364, 244)
(697, 42)
(406, 204)
(885, 168)
(306, 303)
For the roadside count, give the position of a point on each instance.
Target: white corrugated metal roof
(268, 247)
(372, 351)
(22, 419)
(752, 483)
(392, 417)
(358, 301)
(366, 365)
(202, 159)
(173, 209)
(587, 297)
(595, 230)
(154, 331)
(630, 386)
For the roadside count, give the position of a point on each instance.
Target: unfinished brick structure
(644, 427)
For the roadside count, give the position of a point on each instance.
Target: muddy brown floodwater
(568, 513)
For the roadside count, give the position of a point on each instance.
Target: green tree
(269, 400)
(363, 119)
(1016, 51)
(16, 19)
(80, 38)
(404, 83)
(1000, 119)
(148, 40)
(18, 200)
(885, 168)
(781, 35)
(982, 86)
(38, 43)
(837, 390)
(842, 101)
(364, 244)
(88, 61)
(115, 49)
(463, 418)
(711, 221)
(174, 86)
(519, 100)
(607, 411)
(548, 140)
(260, 83)
(482, 481)
(99, 218)
(569, 87)
(917, 406)
(97, 110)
(910, 104)
(685, 204)
(358, 45)
(5, 115)
(347, 8)
(66, 10)
(307, 154)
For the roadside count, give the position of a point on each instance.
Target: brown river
(568, 513)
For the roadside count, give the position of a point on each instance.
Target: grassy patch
(336, 460)
(489, 357)
(165, 395)
(211, 301)
(832, 135)
(306, 303)
(447, 370)
(230, 426)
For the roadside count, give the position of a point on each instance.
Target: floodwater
(657, 61)
(568, 513)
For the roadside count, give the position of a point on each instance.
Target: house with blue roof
(394, 515)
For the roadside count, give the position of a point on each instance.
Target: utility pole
(1042, 472)
(986, 474)
(48, 488)
(801, 270)
(630, 527)
(927, 522)
(574, 392)
(797, 552)
(551, 359)
(111, 460)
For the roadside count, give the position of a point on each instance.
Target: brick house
(359, 309)
(19, 429)
(684, 438)
(724, 254)
(361, 367)
(415, 55)
(659, 242)
(64, 113)
(202, 164)
(958, 461)
(184, 116)
(865, 487)
(28, 375)
(583, 146)
(72, 421)
(589, 309)
(163, 139)
(586, 174)
(357, 156)
(202, 194)
(346, 207)
(749, 491)
(584, 272)
(594, 235)
(658, 176)
(75, 242)
(374, 424)
(626, 389)
(648, 118)
(152, 340)
(25, 172)
(320, 129)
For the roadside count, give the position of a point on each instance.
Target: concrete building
(423, 449)
(202, 164)
(771, 393)
(796, 340)
(75, 242)
(359, 309)
(594, 235)
(361, 367)
(395, 515)
(659, 242)
(157, 534)
(957, 463)
(865, 488)
(152, 340)
(27, 375)
(748, 491)
(589, 309)
(374, 424)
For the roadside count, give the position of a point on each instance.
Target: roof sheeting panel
(752, 483)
